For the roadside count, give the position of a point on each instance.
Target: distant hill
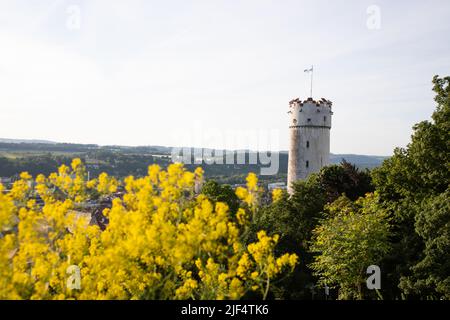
(35, 145)
(362, 161)
(359, 160)
(40, 156)
(2, 140)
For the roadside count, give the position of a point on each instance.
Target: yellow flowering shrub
(250, 195)
(277, 194)
(163, 240)
(106, 184)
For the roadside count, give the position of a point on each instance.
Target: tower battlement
(309, 145)
(310, 112)
(318, 103)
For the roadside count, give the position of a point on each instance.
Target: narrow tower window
(307, 163)
(307, 144)
(324, 118)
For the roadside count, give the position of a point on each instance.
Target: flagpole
(312, 71)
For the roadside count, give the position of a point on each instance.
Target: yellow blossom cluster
(105, 184)
(277, 194)
(71, 183)
(251, 194)
(163, 240)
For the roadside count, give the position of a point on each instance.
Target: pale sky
(139, 72)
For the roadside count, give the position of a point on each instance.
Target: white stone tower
(309, 141)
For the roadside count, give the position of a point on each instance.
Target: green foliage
(308, 201)
(294, 218)
(221, 193)
(293, 224)
(353, 236)
(431, 275)
(344, 178)
(411, 184)
(422, 168)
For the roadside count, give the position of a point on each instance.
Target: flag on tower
(312, 71)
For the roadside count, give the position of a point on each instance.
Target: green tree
(353, 236)
(294, 218)
(293, 223)
(344, 178)
(407, 183)
(431, 275)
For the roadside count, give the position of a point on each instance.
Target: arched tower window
(307, 163)
(307, 144)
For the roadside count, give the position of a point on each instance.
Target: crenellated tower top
(310, 113)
